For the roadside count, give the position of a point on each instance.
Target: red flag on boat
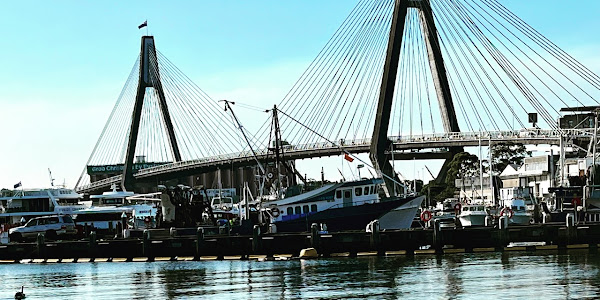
(348, 157)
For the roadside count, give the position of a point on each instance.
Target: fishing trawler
(348, 205)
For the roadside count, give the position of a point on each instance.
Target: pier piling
(315, 237)
(41, 245)
(199, 242)
(146, 245)
(93, 244)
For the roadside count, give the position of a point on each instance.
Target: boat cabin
(330, 196)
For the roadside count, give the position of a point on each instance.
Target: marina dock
(151, 245)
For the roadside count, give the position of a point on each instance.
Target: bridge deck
(400, 145)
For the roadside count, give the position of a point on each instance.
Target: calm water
(575, 274)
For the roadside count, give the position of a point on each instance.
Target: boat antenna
(343, 178)
(228, 107)
(51, 179)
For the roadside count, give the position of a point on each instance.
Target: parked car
(51, 226)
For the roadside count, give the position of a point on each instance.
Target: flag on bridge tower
(348, 157)
(143, 24)
(17, 185)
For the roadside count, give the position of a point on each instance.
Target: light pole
(359, 167)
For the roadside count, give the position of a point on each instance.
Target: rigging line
(473, 70)
(105, 153)
(207, 102)
(248, 106)
(100, 152)
(510, 72)
(523, 77)
(338, 146)
(501, 80)
(344, 78)
(209, 123)
(544, 59)
(363, 52)
(323, 72)
(340, 77)
(108, 122)
(547, 44)
(372, 75)
(377, 53)
(187, 85)
(419, 75)
(150, 113)
(426, 73)
(157, 78)
(462, 84)
(461, 105)
(326, 47)
(118, 137)
(450, 49)
(402, 79)
(489, 77)
(302, 92)
(185, 127)
(535, 63)
(332, 59)
(126, 112)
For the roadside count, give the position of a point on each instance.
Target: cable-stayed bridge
(416, 78)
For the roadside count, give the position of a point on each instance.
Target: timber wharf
(193, 244)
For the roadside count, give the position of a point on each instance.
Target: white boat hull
(520, 219)
(472, 220)
(402, 216)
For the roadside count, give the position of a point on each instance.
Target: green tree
(463, 165)
(508, 153)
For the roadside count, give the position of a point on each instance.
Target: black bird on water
(20, 295)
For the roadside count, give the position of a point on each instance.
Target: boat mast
(277, 144)
(260, 166)
(279, 147)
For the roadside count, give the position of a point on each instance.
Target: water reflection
(573, 274)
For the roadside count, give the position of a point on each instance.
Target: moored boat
(348, 205)
(473, 215)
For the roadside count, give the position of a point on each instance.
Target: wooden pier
(149, 245)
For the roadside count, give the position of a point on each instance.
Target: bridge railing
(248, 155)
(530, 133)
(494, 135)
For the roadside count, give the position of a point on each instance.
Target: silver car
(51, 226)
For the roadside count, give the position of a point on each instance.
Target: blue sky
(63, 63)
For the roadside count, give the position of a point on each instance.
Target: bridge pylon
(380, 142)
(149, 77)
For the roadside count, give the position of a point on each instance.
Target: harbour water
(511, 275)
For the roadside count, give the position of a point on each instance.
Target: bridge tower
(380, 142)
(149, 77)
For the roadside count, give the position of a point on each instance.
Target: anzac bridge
(399, 79)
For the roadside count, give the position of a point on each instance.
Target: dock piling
(199, 242)
(146, 244)
(375, 236)
(438, 241)
(41, 245)
(571, 229)
(315, 237)
(256, 239)
(93, 245)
